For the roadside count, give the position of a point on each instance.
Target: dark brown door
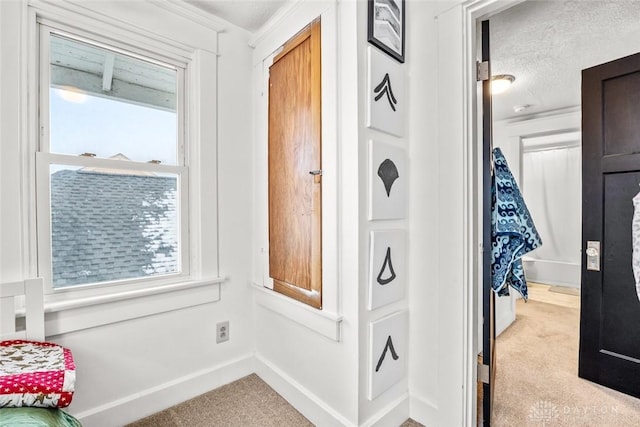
(610, 309)
(488, 298)
(295, 246)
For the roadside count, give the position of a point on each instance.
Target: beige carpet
(537, 381)
(248, 402)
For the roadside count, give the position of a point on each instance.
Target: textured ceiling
(247, 14)
(546, 44)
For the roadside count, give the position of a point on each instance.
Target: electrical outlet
(222, 332)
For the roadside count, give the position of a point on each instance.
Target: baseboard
(139, 405)
(552, 272)
(423, 411)
(392, 415)
(309, 405)
(155, 399)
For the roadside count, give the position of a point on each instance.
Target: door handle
(317, 174)
(593, 255)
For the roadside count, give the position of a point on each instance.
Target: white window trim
(201, 81)
(320, 321)
(328, 320)
(44, 158)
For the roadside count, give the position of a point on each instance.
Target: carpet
(537, 381)
(247, 402)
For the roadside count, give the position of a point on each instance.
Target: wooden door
(610, 308)
(295, 262)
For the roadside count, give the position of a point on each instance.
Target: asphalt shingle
(112, 227)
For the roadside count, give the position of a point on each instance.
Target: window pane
(109, 226)
(111, 104)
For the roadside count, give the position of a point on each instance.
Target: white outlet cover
(220, 338)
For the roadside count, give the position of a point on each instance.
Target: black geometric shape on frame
(388, 173)
(387, 264)
(384, 88)
(388, 346)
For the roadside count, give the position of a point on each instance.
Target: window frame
(172, 32)
(44, 159)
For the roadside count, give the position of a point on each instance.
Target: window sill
(84, 313)
(322, 322)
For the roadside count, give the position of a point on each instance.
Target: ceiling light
(501, 82)
(520, 108)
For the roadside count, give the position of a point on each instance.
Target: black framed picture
(386, 27)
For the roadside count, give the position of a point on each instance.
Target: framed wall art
(386, 27)
(387, 352)
(386, 100)
(386, 267)
(387, 181)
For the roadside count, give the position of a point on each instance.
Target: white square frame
(386, 95)
(388, 352)
(387, 274)
(388, 177)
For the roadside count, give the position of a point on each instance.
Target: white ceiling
(546, 44)
(247, 14)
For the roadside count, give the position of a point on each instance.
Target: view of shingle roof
(112, 227)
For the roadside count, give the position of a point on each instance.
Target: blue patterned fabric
(513, 232)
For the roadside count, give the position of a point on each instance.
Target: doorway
(533, 148)
(541, 151)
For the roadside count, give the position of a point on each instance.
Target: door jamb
(472, 12)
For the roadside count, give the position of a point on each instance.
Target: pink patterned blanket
(35, 373)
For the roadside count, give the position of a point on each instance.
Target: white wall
(391, 407)
(316, 373)
(130, 369)
(328, 380)
(324, 378)
(11, 242)
(297, 361)
(424, 213)
(438, 202)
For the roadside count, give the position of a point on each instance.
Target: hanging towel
(513, 232)
(635, 240)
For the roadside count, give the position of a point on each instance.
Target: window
(112, 179)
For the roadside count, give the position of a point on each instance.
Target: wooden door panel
(295, 151)
(610, 310)
(290, 186)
